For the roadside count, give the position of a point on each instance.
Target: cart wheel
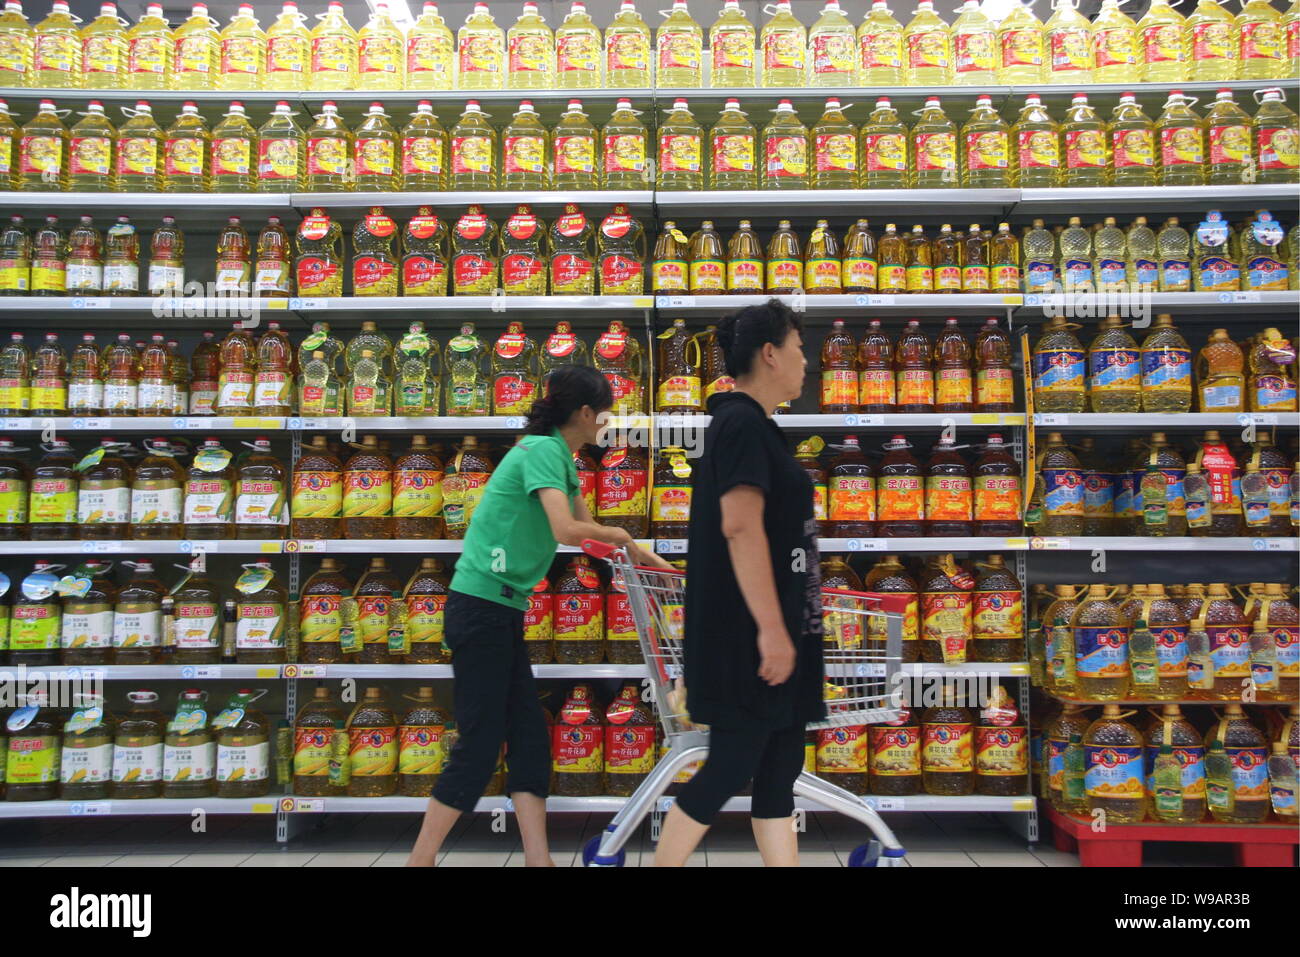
(865, 855)
(590, 851)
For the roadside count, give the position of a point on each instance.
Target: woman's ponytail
(566, 390)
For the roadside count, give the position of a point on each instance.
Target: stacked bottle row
(474, 256)
(1107, 643)
(87, 753)
(1173, 770)
(957, 612)
(1115, 374)
(85, 617)
(1152, 488)
(972, 50)
(1179, 147)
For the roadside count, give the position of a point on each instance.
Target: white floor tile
(939, 859)
(280, 859)
(344, 859)
(82, 860)
(215, 859)
(1005, 859)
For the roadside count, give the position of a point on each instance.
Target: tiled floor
(383, 840)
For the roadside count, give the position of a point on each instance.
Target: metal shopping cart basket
(861, 684)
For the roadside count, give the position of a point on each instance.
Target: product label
(859, 274)
(948, 498)
(286, 54)
(1001, 752)
(259, 626)
(999, 614)
(994, 387)
(900, 498)
(103, 504)
(1181, 146)
(624, 153)
(886, 152)
(1229, 145)
(986, 150)
(1038, 149)
(915, 387)
(836, 152)
(1113, 771)
(277, 159)
(953, 387)
(577, 749)
(90, 155)
(948, 747)
(842, 750)
(156, 502)
(1101, 652)
(137, 625)
(621, 492)
(935, 151)
(1022, 48)
(1085, 149)
(87, 625)
(1163, 43)
(147, 55)
(852, 498)
(1230, 651)
(997, 498)
(425, 618)
(261, 502)
(832, 53)
(367, 493)
(894, 751)
(1278, 147)
(208, 501)
(1132, 148)
(1071, 50)
(524, 154)
(197, 625)
(787, 157)
(1114, 370)
(41, 154)
(373, 751)
(137, 760)
(679, 153)
(1249, 772)
(1063, 491)
(1166, 370)
(974, 52)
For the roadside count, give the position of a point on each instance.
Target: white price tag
(870, 670)
(1033, 300)
(1264, 418)
(674, 302)
(880, 300)
(107, 546)
(890, 804)
(670, 546)
(210, 547)
(312, 304)
(308, 805)
(313, 545)
(866, 544)
(1043, 418)
(1245, 297)
(95, 302)
(1272, 545)
(312, 671)
(92, 808)
(94, 424)
(17, 425)
(515, 422)
(207, 671)
(1048, 544)
(666, 804)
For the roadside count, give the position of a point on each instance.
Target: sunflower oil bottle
(986, 148)
(974, 47)
(574, 145)
(430, 52)
(524, 151)
(91, 168)
(1068, 41)
(1174, 255)
(1164, 47)
(233, 142)
(103, 51)
(1229, 136)
(1020, 43)
(1277, 141)
(56, 50)
(1113, 778)
(577, 50)
(679, 44)
(328, 154)
(43, 152)
(1212, 38)
(832, 44)
(1114, 369)
(188, 149)
(530, 48)
(785, 150)
(627, 49)
(732, 150)
(783, 44)
(880, 48)
(1182, 143)
(1132, 144)
(1109, 258)
(928, 48)
(1166, 369)
(16, 41)
(375, 166)
(1061, 479)
(243, 52)
(1262, 48)
(680, 141)
(731, 48)
(1087, 158)
(473, 151)
(333, 52)
(1214, 261)
(381, 52)
(934, 147)
(196, 62)
(1038, 146)
(1143, 268)
(281, 152)
(624, 140)
(1262, 260)
(884, 148)
(1236, 769)
(141, 150)
(1115, 45)
(288, 50)
(835, 150)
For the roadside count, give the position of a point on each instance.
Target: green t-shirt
(509, 544)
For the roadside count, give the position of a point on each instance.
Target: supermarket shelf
(982, 669)
(835, 202)
(839, 306)
(207, 423)
(211, 423)
(397, 546)
(909, 545)
(824, 422)
(1207, 305)
(1151, 199)
(1161, 420)
(585, 672)
(461, 304)
(67, 673)
(1141, 544)
(163, 547)
(147, 806)
(476, 423)
(189, 209)
(1088, 702)
(544, 201)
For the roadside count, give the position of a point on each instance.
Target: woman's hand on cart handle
(648, 559)
(777, 653)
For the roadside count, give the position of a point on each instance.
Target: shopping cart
(861, 689)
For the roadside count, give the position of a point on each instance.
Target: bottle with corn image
(189, 753)
(138, 749)
(243, 747)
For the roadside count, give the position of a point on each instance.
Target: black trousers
(495, 698)
(771, 759)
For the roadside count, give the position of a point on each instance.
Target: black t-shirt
(743, 446)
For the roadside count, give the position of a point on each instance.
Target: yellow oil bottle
(243, 52)
(333, 52)
(1113, 767)
(381, 52)
(288, 50)
(1100, 647)
(196, 64)
(103, 51)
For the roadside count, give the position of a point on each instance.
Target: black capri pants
(771, 759)
(495, 697)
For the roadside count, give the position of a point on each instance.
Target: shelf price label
(303, 805)
(200, 671)
(862, 421)
(877, 300)
(674, 302)
(1271, 545)
(890, 803)
(1258, 418)
(1048, 544)
(1239, 297)
(90, 808)
(1051, 418)
(670, 546)
(91, 302)
(865, 544)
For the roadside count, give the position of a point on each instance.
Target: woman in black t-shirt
(753, 643)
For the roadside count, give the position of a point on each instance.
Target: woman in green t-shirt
(531, 503)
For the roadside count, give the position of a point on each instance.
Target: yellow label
(372, 752)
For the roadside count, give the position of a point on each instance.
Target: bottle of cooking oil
(1182, 143)
(1174, 255)
(481, 51)
(884, 148)
(986, 148)
(1075, 263)
(1229, 128)
(1115, 45)
(288, 50)
(281, 152)
(373, 746)
(103, 51)
(1087, 156)
(1260, 248)
(1212, 37)
(16, 47)
(197, 62)
(1101, 647)
(1132, 142)
(328, 153)
(577, 50)
(1113, 756)
(1038, 146)
(1241, 795)
(1068, 40)
(731, 47)
(376, 164)
(1020, 42)
(1038, 250)
(732, 150)
(831, 49)
(974, 47)
(381, 52)
(524, 151)
(785, 150)
(1067, 726)
(679, 44)
(1114, 369)
(243, 747)
(1277, 155)
(43, 151)
(1062, 489)
(1214, 261)
(530, 47)
(313, 732)
(473, 151)
(1181, 798)
(1164, 50)
(835, 150)
(947, 750)
(188, 150)
(1292, 55)
(56, 52)
(627, 49)
(430, 52)
(243, 52)
(91, 166)
(1166, 369)
(261, 609)
(233, 142)
(934, 147)
(333, 52)
(1143, 267)
(880, 48)
(140, 151)
(1110, 257)
(1058, 369)
(680, 141)
(928, 42)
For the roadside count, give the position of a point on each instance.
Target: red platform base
(1120, 845)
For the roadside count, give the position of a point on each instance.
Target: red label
(1038, 148)
(787, 157)
(519, 269)
(621, 491)
(1132, 148)
(369, 271)
(1229, 144)
(422, 154)
(1279, 147)
(1181, 146)
(277, 159)
(230, 155)
(1071, 50)
(615, 270)
(886, 151)
(421, 271)
(90, 154)
(569, 269)
(574, 612)
(1212, 41)
(471, 154)
(575, 154)
(470, 268)
(373, 157)
(935, 151)
(1085, 148)
(513, 394)
(986, 150)
(313, 271)
(525, 154)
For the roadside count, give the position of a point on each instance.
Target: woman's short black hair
(744, 333)
(566, 390)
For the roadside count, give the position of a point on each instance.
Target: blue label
(1113, 771)
(1279, 490)
(1273, 390)
(1114, 370)
(1197, 512)
(1249, 771)
(1175, 272)
(1218, 273)
(1221, 397)
(1039, 275)
(1171, 649)
(1098, 494)
(1176, 503)
(1062, 492)
(1078, 272)
(1123, 494)
(1056, 763)
(1101, 652)
(1113, 272)
(1058, 370)
(1286, 639)
(1229, 650)
(1168, 370)
(1264, 271)
(1192, 759)
(1147, 271)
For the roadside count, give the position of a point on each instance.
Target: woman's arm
(573, 526)
(742, 526)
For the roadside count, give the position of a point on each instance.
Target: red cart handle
(598, 549)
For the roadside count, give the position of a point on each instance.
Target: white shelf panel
(585, 672)
(152, 672)
(989, 669)
(1161, 420)
(839, 201)
(131, 546)
(1153, 198)
(122, 807)
(1220, 306)
(958, 304)
(1182, 544)
(445, 203)
(910, 545)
